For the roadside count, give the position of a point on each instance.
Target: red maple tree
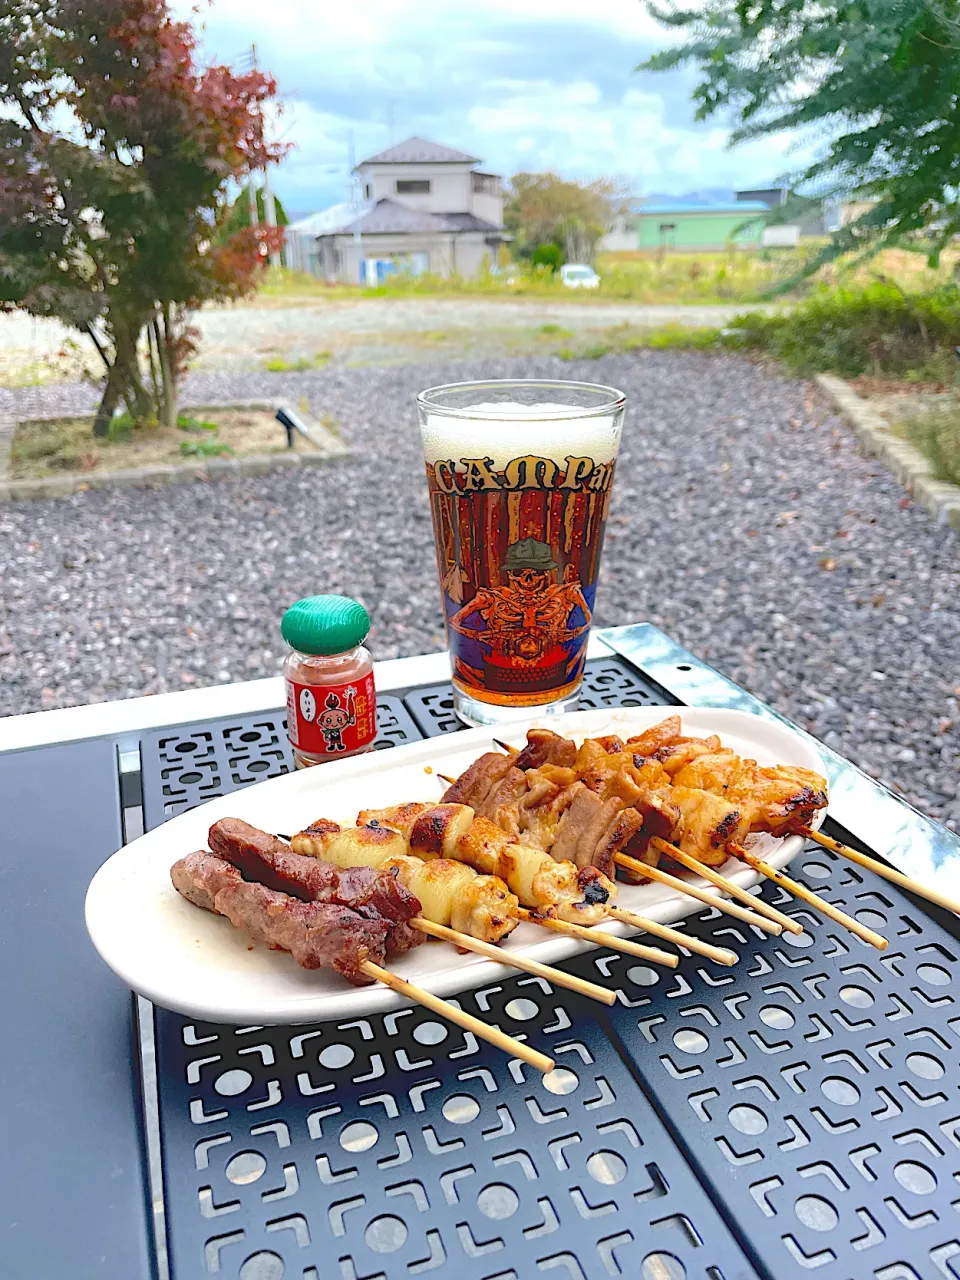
(117, 152)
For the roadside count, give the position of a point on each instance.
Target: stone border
(912, 469)
(327, 447)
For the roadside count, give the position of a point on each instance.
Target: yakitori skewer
(601, 938)
(448, 892)
(881, 869)
(556, 977)
(808, 896)
(452, 1013)
(680, 886)
(736, 891)
(319, 934)
(660, 876)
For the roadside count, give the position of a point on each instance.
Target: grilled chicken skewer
(553, 893)
(486, 844)
(578, 895)
(456, 904)
(691, 792)
(551, 782)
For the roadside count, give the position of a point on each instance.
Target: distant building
(622, 235)
(701, 226)
(808, 219)
(425, 207)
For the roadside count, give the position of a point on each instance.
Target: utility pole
(355, 200)
(269, 207)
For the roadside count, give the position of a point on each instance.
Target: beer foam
(508, 430)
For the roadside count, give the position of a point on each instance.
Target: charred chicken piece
(539, 882)
(546, 747)
(476, 782)
(656, 737)
(429, 830)
(448, 892)
(455, 895)
(319, 935)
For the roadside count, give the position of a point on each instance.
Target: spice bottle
(331, 699)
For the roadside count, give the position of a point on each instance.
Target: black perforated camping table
(796, 1114)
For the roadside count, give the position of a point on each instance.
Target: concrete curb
(908, 464)
(328, 449)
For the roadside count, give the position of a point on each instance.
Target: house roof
(329, 221)
(419, 151)
(467, 222)
(740, 206)
(388, 217)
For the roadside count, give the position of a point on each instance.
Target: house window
(485, 184)
(413, 186)
(366, 191)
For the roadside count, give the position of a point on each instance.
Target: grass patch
(551, 330)
(623, 339)
(725, 276)
(936, 433)
(44, 448)
(277, 364)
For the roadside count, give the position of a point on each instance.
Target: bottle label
(332, 719)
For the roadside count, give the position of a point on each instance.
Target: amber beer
(520, 477)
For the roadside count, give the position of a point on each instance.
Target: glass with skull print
(519, 476)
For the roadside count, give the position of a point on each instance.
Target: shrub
(879, 329)
(548, 255)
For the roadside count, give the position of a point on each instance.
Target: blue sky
(524, 84)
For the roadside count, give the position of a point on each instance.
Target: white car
(576, 275)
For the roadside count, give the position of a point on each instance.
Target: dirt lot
(52, 447)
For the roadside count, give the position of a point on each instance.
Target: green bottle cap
(325, 625)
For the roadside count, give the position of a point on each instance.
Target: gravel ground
(359, 331)
(745, 523)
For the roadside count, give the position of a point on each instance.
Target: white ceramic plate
(187, 959)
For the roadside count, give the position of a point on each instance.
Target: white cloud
(521, 83)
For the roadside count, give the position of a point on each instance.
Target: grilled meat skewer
(271, 862)
(450, 893)
(318, 935)
(561, 889)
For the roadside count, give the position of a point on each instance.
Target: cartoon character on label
(336, 718)
(531, 615)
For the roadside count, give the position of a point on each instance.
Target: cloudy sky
(524, 84)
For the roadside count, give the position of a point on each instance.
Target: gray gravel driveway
(745, 523)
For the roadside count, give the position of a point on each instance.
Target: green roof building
(701, 227)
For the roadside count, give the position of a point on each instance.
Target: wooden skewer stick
(505, 746)
(703, 895)
(482, 1030)
(601, 938)
(719, 955)
(735, 891)
(881, 869)
(808, 896)
(556, 977)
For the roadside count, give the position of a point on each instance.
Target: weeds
(204, 448)
(278, 364)
(936, 433)
(879, 329)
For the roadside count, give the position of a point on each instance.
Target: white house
(425, 207)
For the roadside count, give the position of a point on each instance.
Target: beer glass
(520, 476)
